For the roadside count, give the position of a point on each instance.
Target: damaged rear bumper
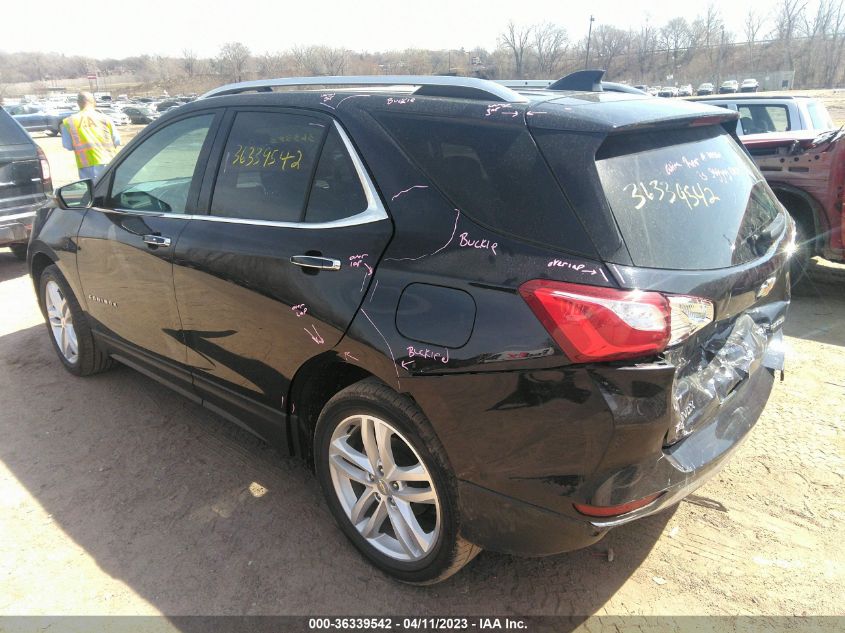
(685, 466)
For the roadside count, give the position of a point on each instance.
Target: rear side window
(819, 116)
(759, 119)
(687, 199)
(493, 173)
(337, 192)
(267, 166)
(10, 132)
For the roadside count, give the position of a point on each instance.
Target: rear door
(275, 272)
(126, 244)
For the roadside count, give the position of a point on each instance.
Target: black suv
(24, 184)
(490, 319)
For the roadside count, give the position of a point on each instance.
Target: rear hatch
(21, 183)
(676, 206)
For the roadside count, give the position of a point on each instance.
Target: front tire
(68, 327)
(389, 485)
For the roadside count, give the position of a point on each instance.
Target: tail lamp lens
(592, 324)
(45, 169)
(614, 511)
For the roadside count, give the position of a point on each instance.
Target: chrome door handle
(156, 240)
(320, 263)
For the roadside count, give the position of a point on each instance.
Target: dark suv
(24, 184)
(490, 319)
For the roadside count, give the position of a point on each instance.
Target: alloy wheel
(61, 321)
(384, 487)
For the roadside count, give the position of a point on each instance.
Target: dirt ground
(118, 496)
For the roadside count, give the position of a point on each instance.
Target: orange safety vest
(91, 134)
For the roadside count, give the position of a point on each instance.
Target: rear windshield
(10, 132)
(687, 199)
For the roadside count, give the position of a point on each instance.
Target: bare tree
(790, 13)
(835, 42)
(307, 60)
(550, 45)
(676, 37)
(418, 61)
(189, 61)
(232, 60)
(610, 42)
(515, 39)
(645, 42)
(753, 25)
(711, 25)
(333, 60)
(272, 64)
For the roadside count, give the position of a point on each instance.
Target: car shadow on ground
(10, 266)
(199, 517)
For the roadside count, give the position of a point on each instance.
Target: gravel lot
(117, 496)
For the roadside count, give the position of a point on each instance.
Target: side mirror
(76, 195)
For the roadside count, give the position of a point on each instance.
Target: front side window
(157, 175)
(267, 166)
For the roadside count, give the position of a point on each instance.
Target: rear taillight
(45, 171)
(592, 324)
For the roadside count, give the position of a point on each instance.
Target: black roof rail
(432, 86)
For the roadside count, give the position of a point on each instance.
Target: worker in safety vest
(91, 136)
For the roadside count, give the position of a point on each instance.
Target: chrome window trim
(374, 212)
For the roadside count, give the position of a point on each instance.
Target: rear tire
(68, 327)
(380, 464)
(803, 255)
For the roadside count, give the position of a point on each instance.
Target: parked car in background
(34, 118)
(117, 116)
(348, 279)
(653, 91)
(749, 85)
(731, 85)
(140, 114)
(806, 171)
(705, 89)
(668, 91)
(163, 106)
(763, 114)
(24, 184)
(685, 90)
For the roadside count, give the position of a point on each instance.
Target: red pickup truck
(806, 170)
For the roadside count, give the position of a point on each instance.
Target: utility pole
(589, 37)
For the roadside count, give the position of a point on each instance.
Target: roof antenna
(583, 80)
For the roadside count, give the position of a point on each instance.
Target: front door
(275, 273)
(126, 244)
